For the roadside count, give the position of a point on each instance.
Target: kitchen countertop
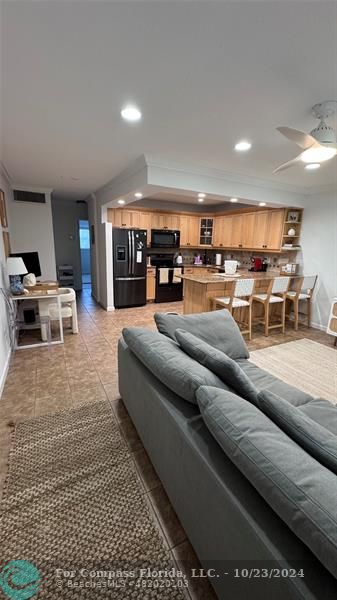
(244, 274)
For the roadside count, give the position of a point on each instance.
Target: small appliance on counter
(258, 264)
(218, 260)
(197, 260)
(179, 259)
(288, 269)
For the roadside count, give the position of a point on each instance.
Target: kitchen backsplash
(208, 256)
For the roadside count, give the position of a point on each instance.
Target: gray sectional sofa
(248, 462)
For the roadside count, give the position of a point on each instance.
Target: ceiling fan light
(318, 155)
(312, 166)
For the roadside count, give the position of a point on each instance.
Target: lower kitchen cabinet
(150, 284)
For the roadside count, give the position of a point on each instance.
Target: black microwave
(165, 238)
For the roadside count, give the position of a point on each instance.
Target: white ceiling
(205, 74)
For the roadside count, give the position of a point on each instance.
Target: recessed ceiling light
(131, 113)
(121, 201)
(262, 203)
(200, 199)
(201, 195)
(312, 166)
(233, 200)
(243, 146)
(138, 195)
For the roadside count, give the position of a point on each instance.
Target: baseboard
(4, 373)
(318, 326)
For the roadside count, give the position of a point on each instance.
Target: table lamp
(15, 268)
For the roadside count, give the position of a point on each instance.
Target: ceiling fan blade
(303, 140)
(289, 163)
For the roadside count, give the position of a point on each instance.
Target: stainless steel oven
(165, 238)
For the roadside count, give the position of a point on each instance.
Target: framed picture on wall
(3, 212)
(7, 244)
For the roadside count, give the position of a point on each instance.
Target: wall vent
(25, 196)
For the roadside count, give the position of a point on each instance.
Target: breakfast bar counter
(199, 289)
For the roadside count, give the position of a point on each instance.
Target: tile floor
(83, 370)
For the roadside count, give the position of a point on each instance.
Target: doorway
(85, 254)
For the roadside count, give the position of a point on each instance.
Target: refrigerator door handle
(133, 253)
(130, 278)
(129, 253)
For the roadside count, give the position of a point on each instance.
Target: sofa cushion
(222, 365)
(169, 363)
(323, 412)
(217, 328)
(315, 439)
(265, 381)
(298, 488)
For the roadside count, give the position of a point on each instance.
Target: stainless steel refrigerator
(129, 265)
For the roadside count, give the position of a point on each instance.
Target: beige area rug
(305, 364)
(74, 508)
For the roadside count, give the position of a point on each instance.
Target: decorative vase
(291, 231)
(16, 286)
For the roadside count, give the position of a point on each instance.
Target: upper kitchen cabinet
(222, 231)
(206, 231)
(189, 231)
(165, 221)
(123, 218)
(237, 231)
(268, 229)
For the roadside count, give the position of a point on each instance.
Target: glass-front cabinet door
(206, 231)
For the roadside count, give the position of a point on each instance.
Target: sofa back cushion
(217, 328)
(298, 488)
(315, 439)
(169, 363)
(217, 361)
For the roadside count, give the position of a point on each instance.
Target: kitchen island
(198, 290)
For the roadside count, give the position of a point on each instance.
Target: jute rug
(75, 513)
(308, 365)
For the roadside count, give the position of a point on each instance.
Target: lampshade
(16, 266)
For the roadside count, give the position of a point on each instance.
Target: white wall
(319, 251)
(4, 337)
(31, 229)
(106, 299)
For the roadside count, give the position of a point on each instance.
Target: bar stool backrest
(243, 288)
(280, 285)
(308, 284)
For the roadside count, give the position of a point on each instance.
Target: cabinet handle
(240, 245)
(123, 224)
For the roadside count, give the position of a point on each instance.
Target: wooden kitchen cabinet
(275, 224)
(165, 221)
(189, 231)
(237, 231)
(150, 283)
(145, 223)
(262, 230)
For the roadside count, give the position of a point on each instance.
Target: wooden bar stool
(304, 290)
(276, 294)
(240, 297)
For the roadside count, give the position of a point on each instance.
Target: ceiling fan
(317, 146)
